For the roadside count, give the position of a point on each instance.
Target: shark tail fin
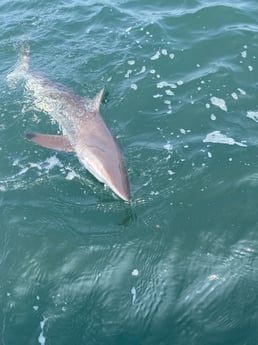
(22, 66)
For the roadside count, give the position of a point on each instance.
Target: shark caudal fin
(22, 66)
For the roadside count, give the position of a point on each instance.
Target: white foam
(42, 338)
(162, 84)
(219, 102)
(164, 52)
(213, 277)
(172, 56)
(131, 62)
(170, 172)
(213, 117)
(218, 138)
(127, 75)
(142, 70)
(135, 272)
(252, 115)
(35, 165)
(244, 54)
(18, 73)
(133, 292)
(243, 92)
(23, 171)
(168, 147)
(71, 175)
(134, 87)
(156, 56)
(52, 162)
(169, 93)
(234, 95)
(3, 188)
(250, 68)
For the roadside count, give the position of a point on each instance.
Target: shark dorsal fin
(97, 100)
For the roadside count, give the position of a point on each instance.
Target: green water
(180, 264)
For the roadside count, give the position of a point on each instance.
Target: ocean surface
(179, 264)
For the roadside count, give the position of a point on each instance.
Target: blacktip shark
(84, 130)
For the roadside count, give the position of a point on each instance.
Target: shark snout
(122, 187)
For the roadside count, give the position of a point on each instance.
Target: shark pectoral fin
(54, 142)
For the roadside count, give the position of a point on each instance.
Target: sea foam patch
(219, 138)
(156, 56)
(252, 115)
(71, 175)
(52, 162)
(219, 102)
(162, 84)
(133, 292)
(42, 338)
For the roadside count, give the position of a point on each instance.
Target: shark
(84, 131)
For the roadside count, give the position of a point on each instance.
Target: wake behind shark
(84, 130)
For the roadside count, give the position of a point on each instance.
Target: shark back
(98, 151)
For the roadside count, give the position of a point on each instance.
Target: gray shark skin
(85, 131)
